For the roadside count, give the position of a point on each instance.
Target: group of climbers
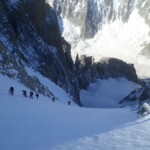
(24, 93)
(31, 94)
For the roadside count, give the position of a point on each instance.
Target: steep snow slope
(42, 124)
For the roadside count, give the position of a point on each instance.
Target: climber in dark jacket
(53, 99)
(69, 102)
(31, 94)
(24, 93)
(37, 95)
(11, 90)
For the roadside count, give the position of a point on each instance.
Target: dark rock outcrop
(88, 71)
(115, 68)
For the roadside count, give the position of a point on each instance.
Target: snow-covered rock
(145, 108)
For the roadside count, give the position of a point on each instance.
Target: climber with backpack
(11, 90)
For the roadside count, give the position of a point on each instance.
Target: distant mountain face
(108, 28)
(30, 37)
(90, 15)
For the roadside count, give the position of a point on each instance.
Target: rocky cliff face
(90, 15)
(30, 37)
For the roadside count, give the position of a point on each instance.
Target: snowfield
(134, 136)
(40, 124)
(107, 93)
